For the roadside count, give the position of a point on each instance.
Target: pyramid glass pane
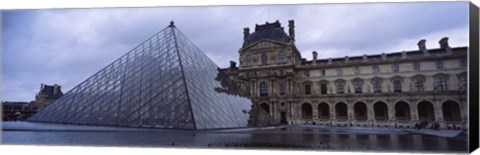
(216, 100)
(165, 82)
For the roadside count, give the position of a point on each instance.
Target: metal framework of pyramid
(165, 82)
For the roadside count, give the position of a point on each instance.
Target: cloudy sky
(66, 46)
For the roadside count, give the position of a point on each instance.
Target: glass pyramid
(165, 82)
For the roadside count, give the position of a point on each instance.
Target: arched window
(281, 57)
(247, 89)
(358, 85)
(377, 86)
(402, 111)
(441, 84)
(264, 59)
(281, 88)
(307, 111)
(397, 85)
(248, 60)
(418, 84)
(263, 89)
(426, 111)
(360, 111)
(308, 89)
(340, 87)
(380, 110)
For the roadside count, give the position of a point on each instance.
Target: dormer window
(306, 73)
(439, 64)
(339, 72)
(356, 70)
(395, 67)
(264, 59)
(416, 66)
(281, 57)
(375, 69)
(263, 89)
(248, 60)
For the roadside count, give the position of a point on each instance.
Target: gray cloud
(66, 46)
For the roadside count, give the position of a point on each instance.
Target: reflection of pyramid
(165, 82)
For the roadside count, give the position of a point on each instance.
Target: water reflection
(289, 138)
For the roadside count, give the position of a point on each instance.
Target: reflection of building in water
(381, 90)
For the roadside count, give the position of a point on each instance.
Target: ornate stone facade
(385, 90)
(47, 95)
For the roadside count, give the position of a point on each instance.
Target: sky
(66, 46)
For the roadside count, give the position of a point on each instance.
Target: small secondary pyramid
(165, 82)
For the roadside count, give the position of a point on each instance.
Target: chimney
(422, 47)
(291, 30)
(233, 65)
(314, 53)
(55, 89)
(444, 45)
(246, 33)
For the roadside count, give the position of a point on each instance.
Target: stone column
(370, 114)
(349, 113)
(254, 89)
(272, 109)
(439, 114)
(290, 112)
(391, 114)
(270, 93)
(413, 114)
(332, 113)
(464, 114)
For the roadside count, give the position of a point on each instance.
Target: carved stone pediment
(339, 80)
(357, 80)
(397, 77)
(441, 75)
(264, 44)
(323, 81)
(376, 78)
(307, 82)
(418, 76)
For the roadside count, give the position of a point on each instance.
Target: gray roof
(270, 31)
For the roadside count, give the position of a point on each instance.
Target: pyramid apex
(172, 24)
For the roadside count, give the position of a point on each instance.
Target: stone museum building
(394, 89)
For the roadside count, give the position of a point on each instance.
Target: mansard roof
(270, 31)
